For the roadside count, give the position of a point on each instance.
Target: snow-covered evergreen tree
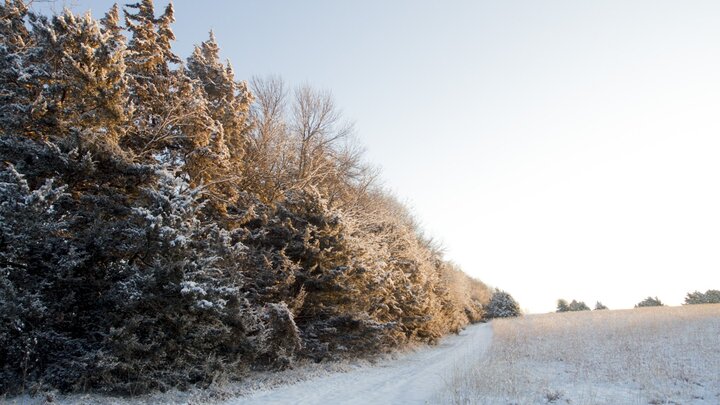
(36, 263)
(228, 99)
(22, 72)
(152, 82)
(228, 104)
(502, 305)
(85, 90)
(149, 239)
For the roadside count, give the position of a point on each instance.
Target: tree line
(163, 224)
(693, 298)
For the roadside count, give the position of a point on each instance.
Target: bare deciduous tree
(270, 154)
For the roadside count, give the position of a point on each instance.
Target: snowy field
(659, 355)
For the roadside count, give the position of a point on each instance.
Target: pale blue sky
(558, 148)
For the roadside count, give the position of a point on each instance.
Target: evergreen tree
(152, 82)
(599, 306)
(35, 262)
(709, 297)
(574, 305)
(578, 306)
(502, 305)
(228, 105)
(136, 252)
(649, 302)
(85, 91)
(172, 119)
(22, 72)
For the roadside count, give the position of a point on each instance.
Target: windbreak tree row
(163, 224)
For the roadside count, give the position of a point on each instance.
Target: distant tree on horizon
(650, 302)
(573, 306)
(562, 305)
(578, 306)
(599, 306)
(709, 297)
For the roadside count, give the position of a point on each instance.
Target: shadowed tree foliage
(649, 302)
(564, 306)
(578, 306)
(708, 297)
(161, 226)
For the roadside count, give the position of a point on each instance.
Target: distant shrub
(578, 306)
(599, 306)
(709, 297)
(649, 302)
(502, 305)
(563, 306)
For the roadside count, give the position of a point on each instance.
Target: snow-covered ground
(660, 355)
(414, 378)
(667, 355)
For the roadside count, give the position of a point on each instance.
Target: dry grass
(640, 356)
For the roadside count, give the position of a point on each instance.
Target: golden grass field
(657, 355)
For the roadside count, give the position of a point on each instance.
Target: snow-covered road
(414, 378)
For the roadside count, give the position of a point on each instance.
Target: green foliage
(599, 306)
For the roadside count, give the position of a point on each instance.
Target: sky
(558, 148)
